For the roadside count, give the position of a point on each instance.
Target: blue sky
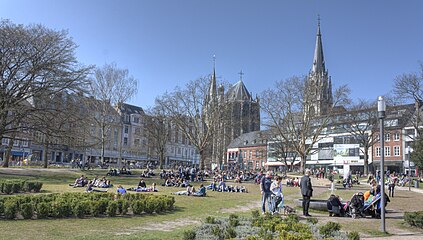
(167, 43)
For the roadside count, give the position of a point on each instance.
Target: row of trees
(45, 91)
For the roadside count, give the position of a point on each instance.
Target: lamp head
(381, 106)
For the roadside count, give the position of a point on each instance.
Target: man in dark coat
(306, 191)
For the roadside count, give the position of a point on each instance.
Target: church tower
(319, 84)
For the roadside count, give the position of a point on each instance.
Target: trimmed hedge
(82, 205)
(414, 218)
(17, 186)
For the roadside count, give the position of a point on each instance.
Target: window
(387, 137)
(387, 151)
(126, 129)
(125, 141)
(396, 136)
(138, 131)
(136, 119)
(378, 152)
(396, 150)
(126, 118)
(251, 154)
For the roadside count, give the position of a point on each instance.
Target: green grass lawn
(189, 212)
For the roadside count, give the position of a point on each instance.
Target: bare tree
(409, 86)
(288, 109)
(158, 132)
(361, 122)
(111, 87)
(189, 110)
(34, 61)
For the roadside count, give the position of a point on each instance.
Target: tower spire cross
(241, 74)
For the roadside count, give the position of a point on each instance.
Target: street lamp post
(381, 108)
(409, 170)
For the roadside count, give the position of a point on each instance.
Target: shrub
(189, 235)
(16, 186)
(353, 236)
(37, 186)
(414, 218)
(138, 207)
(10, 209)
(123, 206)
(1, 207)
(95, 208)
(43, 210)
(151, 205)
(60, 209)
(82, 209)
(313, 221)
(27, 210)
(230, 233)
(233, 220)
(103, 203)
(210, 220)
(112, 208)
(7, 187)
(329, 228)
(217, 231)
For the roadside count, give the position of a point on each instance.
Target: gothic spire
(213, 88)
(318, 60)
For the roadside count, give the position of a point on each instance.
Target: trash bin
(416, 183)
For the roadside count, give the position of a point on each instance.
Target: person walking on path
(306, 191)
(266, 193)
(392, 181)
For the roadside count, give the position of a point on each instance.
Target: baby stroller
(355, 207)
(373, 207)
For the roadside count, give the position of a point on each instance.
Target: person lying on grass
(153, 188)
(90, 188)
(192, 192)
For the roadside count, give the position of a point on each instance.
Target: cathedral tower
(319, 82)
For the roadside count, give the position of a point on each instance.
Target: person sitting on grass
(90, 188)
(142, 184)
(201, 192)
(121, 190)
(190, 189)
(79, 182)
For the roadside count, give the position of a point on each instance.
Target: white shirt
(276, 188)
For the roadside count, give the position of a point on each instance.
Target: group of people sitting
(82, 181)
(175, 182)
(222, 187)
(190, 191)
(117, 172)
(96, 182)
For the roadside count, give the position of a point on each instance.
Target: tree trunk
(366, 161)
(45, 151)
(202, 159)
(303, 163)
(8, 153)
(161, 160)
